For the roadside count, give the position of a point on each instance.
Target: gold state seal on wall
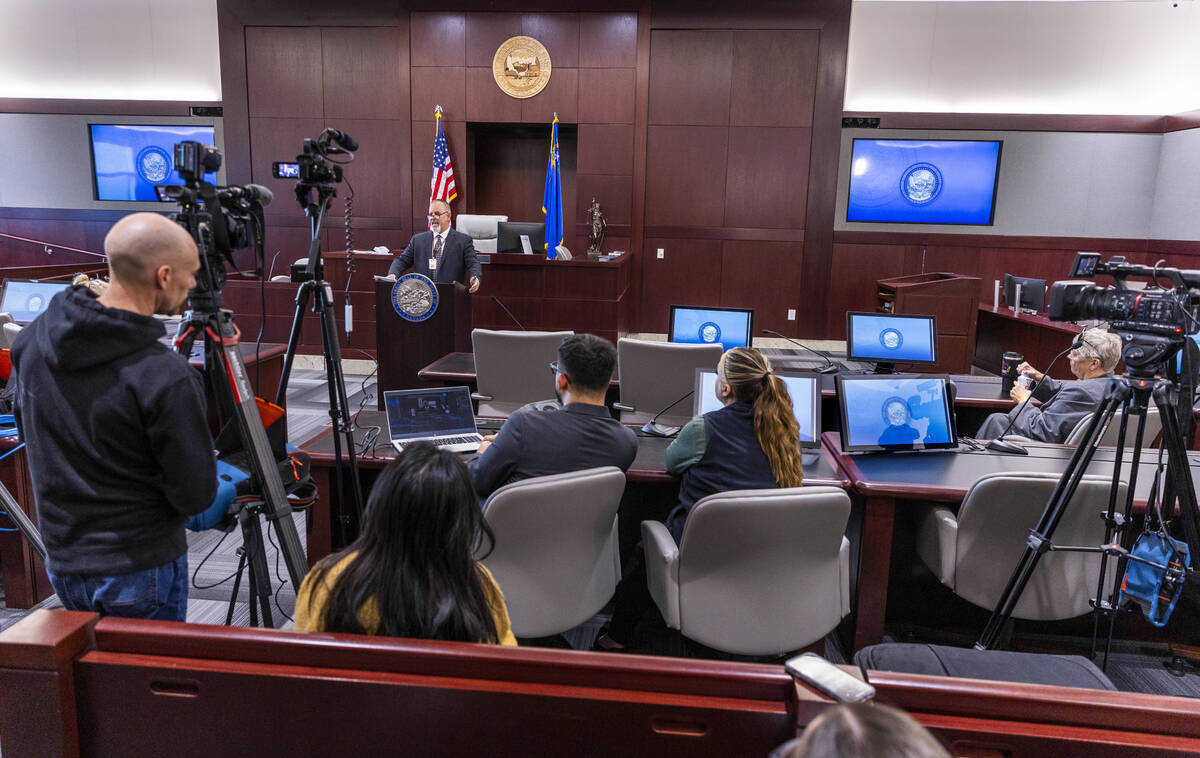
(521, 67)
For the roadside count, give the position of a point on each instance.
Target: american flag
(441, 187)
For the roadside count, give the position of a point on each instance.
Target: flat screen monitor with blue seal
(923, 181)
(804, 387)
(26, 299)
(900, 412)
(891, 338)
(731, 327)
(128, 160)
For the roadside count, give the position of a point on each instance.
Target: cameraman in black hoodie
(119, 450)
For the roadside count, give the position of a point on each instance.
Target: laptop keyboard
(469, 439)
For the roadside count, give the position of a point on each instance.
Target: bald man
(119, 449)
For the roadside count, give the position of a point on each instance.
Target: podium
(953, 299)
(405, 347)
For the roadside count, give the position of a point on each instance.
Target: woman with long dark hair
(412, 571)
(752, 442)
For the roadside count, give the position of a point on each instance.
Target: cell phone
(828, 679)
(283, 170)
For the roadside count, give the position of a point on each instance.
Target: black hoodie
(119, 449)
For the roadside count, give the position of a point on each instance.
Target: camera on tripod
(1152, 322)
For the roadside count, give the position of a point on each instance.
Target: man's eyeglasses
(554, 369)
(435, 214)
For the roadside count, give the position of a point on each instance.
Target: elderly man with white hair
(1063, 403)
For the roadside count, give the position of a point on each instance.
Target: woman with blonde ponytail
(752, 442)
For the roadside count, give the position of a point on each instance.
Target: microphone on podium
(829, 368)
(504, 308)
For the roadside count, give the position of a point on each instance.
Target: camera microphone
(251, 193)
(345, 141)
(829, 368)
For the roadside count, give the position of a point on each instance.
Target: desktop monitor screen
(803, 387)
(26, 299)
(1033, 292)
(732, 327)
(1178, 356)
(891, 338)
(508, 236)
(922, 181)
(898, 412)
(128, 160)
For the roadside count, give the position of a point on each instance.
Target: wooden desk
(886, 479)
(1036, 337)
(648, 474)
(24, 575)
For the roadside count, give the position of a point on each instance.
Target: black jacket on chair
(458, 262)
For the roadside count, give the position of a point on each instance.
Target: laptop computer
(25, 299)
(440, 415)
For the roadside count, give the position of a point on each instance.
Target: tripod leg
(339, 411)
(260, 572)
(293, 344)
(237, 585)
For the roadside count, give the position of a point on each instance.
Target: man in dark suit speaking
(443, 254)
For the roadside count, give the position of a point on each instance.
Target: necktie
(437, 249)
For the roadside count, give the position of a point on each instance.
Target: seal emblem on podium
(414, 297)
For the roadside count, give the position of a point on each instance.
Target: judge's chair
(654, 375)
(556, 557)
(512, 368)
(975, 552)
(481, 229)
(756, 572)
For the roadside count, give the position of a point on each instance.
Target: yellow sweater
(310, 606)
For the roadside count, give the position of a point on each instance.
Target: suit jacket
(1064, 404)
(540, 443)
(458, 263)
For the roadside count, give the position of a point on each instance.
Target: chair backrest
(513, 368)
(481, 229)
(11, 331)
(1110, 434)
(993, 525)
(5, 339)
(655, 374)
(556, 558)
(759, 570)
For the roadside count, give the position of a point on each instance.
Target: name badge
(433, 264)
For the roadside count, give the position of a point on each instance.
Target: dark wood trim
(102, 107)
(1182, 121)
(1019, 122)
(232, 39)
(612, 230)
(641, 117)
(1096, 244)
(72, 214)
(724, 233)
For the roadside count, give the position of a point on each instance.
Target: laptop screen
(899, 412)
(804, 389)
(429, 412)
(890, 338)
(25, 299)
(729, 326)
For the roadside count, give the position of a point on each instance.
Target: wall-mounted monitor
(891, 338)
(732, 327)
(1033, 292)
(804, 387)
(923, 181)
(128, 160)
(903, 412)
(26, 299)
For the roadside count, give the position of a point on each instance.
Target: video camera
(1153, 322)
(313, 166)
(219, 219)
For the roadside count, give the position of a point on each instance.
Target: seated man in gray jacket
(1063, 403)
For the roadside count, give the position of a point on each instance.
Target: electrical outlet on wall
(660, 253)
(791, 314)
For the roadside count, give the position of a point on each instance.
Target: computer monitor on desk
(509, 233)
(732, 327)
(1033, 293)
(901, 412)
(26, 299)
(890, 338)
(804, 388)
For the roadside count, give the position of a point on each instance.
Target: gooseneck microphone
(504, 308)
(999, 445)
(653, 427)
(828, 368)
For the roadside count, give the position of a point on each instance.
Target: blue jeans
(158, 593)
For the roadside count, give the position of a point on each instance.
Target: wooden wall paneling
(605, 149)
(285, 244)
(764, 276)
(690, 74)
(231, 39)
(856, 268)
(510, 170)
(283, 71)
(485, 102)
(365, 237)
(439, 85)
(606, 95)
(485, 314)
(613, 193)
(641, 111)
(438, 39)
(608, 40)
(762, 14)
(763, 177)
(774, 78)
(561, 96)
(685, 175)
(486, 32)
(559, 32)
(379, 168)
(279, 139)
(364, 72)
(422, 167)
(573, 282)
(689, 273)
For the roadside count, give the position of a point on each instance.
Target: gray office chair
(5, 339)
(975, 552)
(556, 558)
(756, 572)
(11, 331)
(655, 374)
(513, 368)
(1108, 437)
(481, 229)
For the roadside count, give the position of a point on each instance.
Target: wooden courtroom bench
(73, 684)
